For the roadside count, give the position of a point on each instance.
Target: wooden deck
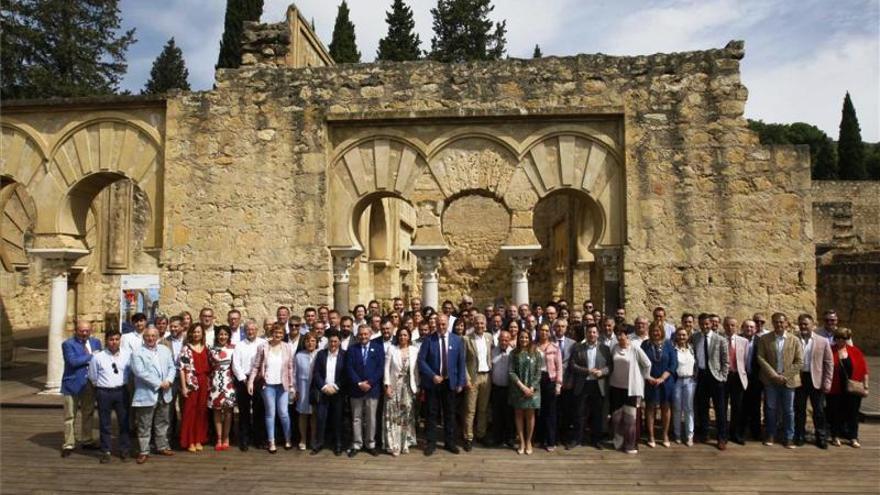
(30, 464)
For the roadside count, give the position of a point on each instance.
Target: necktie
(443, 356)
(731, 353)
(706, 349)
(364, 354)
(561, 346)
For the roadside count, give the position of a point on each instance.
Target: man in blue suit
(442, 368)
(365, 367)
(78, 392)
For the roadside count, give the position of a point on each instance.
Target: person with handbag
(849, 385)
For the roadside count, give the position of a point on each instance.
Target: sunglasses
(115, 369)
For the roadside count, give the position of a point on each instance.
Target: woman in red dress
(195, 384)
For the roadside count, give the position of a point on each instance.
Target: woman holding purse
(848, 386)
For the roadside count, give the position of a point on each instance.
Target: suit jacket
(76, 364)
(372, 370)
(566, 349)
(577, 371)
(149, 369)
(471, 362)
(718, 357)
(740, 347)
(792, 359)
(429, 361)
(394, 363)
(319, 372)
(821, 363)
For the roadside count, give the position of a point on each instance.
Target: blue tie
(364, 354)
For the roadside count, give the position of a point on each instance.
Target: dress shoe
(90, 446)
(789, 444)
(597, 446)
(373, 452)
(65, 452)
(429, 450)
(105, 457)
(468, 445)
(352, 453)
(166, 452)
(337, 452)
(799, 441)
(243, 448)
(822, 444)
(123, 456)
(453, 449)
(142, 458)
(315, 451)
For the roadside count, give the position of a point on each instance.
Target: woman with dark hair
(401, 388)
(525, 388)
(195, 384)
(222, 395)
(551, 386)
(844, 402)
(660, 385)
(458, 327)
(187, 320)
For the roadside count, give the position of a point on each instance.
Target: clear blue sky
(801, 55)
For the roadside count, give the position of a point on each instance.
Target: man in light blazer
(443, 375)
(153, 369)
(365, 370)
(711, 353)
(478, 364)
(737, 379)
(586, 376)
(816, 375)
(78, 392)
(781, 359)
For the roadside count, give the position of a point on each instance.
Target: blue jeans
(683, 408)
(275, 399)
(779, 399)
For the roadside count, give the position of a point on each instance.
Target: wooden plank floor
(30, 464)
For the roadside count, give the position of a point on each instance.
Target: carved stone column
(610, 259)
(520, 262)
(342, 261)
(428, 259)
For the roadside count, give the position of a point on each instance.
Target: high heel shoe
(218, 447)
(199, 447)
(192, 448)
(272, 448)
(226, 445)
(529, 450)
(520, 451)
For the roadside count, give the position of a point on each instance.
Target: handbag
(852, 386)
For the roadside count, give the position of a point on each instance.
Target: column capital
(342, 261)
(428, 259)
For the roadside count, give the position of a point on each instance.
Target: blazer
(667, 361)
(566, 350)
(471, 362)
(76, 364)
(821, 363)
(258, 368)
(372, 371)
(429, 361)
(792, 359)
(740, 347)
(577, 371)
(718, 356)
(553, 362)
(319, 373)
(393, 364)
(149, 370)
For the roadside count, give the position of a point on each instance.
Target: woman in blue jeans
(273, 370)
(685, 384)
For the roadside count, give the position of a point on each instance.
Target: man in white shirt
(641, 331)
(206, 321)
(737, 380)
(133, 341)
(660, 317)
(251, 416)
(236, 329)
(174, 342)
(816, 375)
(502, 412)
(345, 329)
(320, 329)
(327, 378)
(108, 372)
(478, 363)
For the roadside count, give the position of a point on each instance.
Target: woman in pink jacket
(551, 387)
(272, 372)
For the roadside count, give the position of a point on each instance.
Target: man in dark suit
(78, 392)
(586, 376)
(328, 382)
(365, 368)
(443, 375)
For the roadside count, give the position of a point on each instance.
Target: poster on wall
(138, 294)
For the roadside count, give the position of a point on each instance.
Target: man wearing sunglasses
(108, 372)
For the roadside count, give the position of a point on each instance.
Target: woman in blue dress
(660, 385)
(305, 360)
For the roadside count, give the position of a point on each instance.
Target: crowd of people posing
(510, 377)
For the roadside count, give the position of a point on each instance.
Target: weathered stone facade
(657, 191)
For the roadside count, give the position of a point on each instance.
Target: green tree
(237, 11)
(343, 47)
(61, 48)
(850, 150)
(402, 42)
(168, 72)
(822, 158)
(464, 32)
(872, 160)
(537, 53)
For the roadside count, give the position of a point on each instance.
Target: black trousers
(807, 391)
(588, 404)
(843, 415)
(441, 399)
(752, 405)
(251, 416)
(546, 430)
(502, 415)
(708, 388)
(565, 408)
(733, 395)
(330, 421)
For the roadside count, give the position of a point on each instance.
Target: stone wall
(289, 43)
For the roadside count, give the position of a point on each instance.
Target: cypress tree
(537, 53)
(343, 47)
(61, 48)
(237, 11)
(168, 72)
(464, 32)
(401, 43)
(850, 150)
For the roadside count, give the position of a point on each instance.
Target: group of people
(516, 376)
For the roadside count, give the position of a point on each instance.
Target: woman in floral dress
(195, 382)
(401, 389)
(222, 396)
